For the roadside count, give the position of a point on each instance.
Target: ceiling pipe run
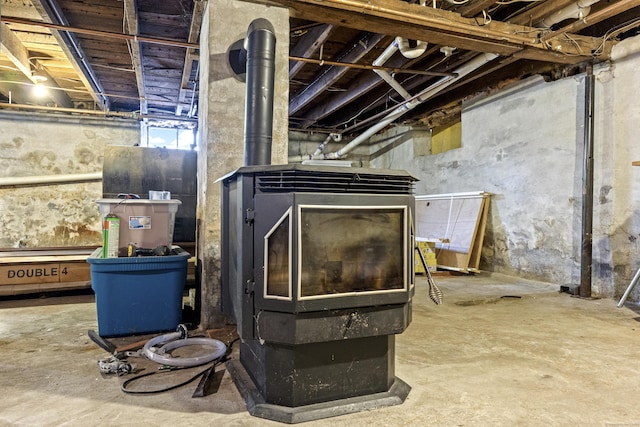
(577, 10)
(384, 75)
(423, 96)
(408, 50)
(99, 113)
(49, 179)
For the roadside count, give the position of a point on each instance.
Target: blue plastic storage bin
(138, 295)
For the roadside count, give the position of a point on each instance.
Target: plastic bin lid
(177, 253)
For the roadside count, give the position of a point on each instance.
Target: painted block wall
(524, 153)
(42, 145)
(616, 244)
(221, 127)
(524, 145)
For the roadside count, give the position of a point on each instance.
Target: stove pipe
(260, 45)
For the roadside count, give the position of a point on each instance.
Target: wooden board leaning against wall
(456, 222)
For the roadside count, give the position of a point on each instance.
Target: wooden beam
(593, 18)
(191, 55)
(13, 48)
(394, 70)
(333, 73)
(363, 86)
(15, 51)
(99, 33)
(101, 101)
(131, 25)
(441, 27)
(473, 8)
(308, 44)
(537, 13)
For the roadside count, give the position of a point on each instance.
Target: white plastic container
(143, 223)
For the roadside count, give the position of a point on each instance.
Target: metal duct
(260, 45)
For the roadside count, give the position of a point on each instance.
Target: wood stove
(317, 271)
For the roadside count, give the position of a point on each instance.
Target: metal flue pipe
(260, 45)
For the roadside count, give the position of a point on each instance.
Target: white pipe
(411, 52)
(393, 83)
(386, 55)
(49, 179)
(320, 148)
(429, 92)
(577, 10)
(384, 75)
(463, 195)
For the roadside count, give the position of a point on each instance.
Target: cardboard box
(428, 249)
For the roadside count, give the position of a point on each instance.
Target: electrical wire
(517, 1)
(163, 369)
(613, 32)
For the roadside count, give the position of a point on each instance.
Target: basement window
(167, 137)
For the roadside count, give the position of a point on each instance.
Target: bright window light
(164, 137)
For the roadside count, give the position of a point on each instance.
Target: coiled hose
(171, 341)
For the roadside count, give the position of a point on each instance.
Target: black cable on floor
(124, 385)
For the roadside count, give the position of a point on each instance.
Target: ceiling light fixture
(39, 77)
(39, 90)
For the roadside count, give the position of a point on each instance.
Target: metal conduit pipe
(98, 113)
(423, 96)
(49, 179)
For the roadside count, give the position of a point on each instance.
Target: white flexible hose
(172, 341)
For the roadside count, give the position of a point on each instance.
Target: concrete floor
(499, 352)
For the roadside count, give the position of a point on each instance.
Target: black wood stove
(317, 271)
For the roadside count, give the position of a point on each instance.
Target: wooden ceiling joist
(310, 42)
(369, 41)
(131, 23)
(443, 27)
(191, 56)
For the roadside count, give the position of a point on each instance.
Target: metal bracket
(249, 287)
(249, 216)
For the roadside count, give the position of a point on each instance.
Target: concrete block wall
(616, 235)
(221, 127)
(524, 144)
(35, 144)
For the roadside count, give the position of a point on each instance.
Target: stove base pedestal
(257, 406)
